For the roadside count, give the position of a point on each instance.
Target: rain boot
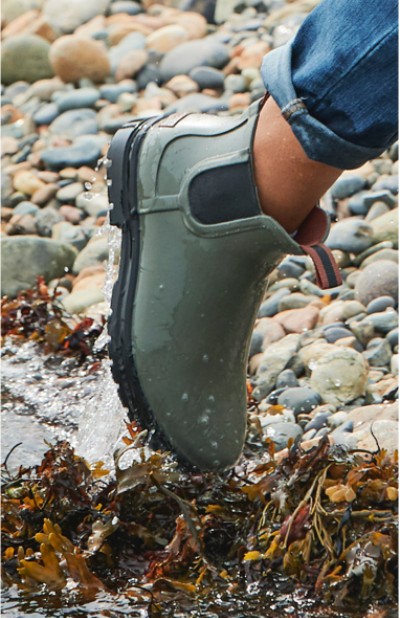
(196, 250)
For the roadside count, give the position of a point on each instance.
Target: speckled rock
(34, 51)
(339, 376)
(378, 279)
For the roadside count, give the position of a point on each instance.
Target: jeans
(336, 81)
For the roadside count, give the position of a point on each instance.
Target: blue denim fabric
(336, 81)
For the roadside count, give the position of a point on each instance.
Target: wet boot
(196, 249)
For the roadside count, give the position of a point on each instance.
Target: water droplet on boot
(185, 397)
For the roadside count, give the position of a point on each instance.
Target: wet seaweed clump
(320, 524)
(36, 314)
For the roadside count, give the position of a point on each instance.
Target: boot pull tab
(326, 269)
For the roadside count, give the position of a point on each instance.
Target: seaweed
(323, 521)
(37, 315)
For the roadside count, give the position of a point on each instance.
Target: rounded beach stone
(380, 304)
(84, 151)
(184, 57)
(347, 185)
(386, 227)
(24, 258)
(340, 376)
(67, 15)
(77, 99)
(75, 122)
(281, 433)
(25, 57)
(378, 279)
(352, 235)
(208, 77)
(299, 399)
(95, 253)
(73, 57)
(45, 114)
(166, 38)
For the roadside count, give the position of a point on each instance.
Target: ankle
(289, 184)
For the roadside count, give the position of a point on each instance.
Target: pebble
(83, 151)
(67, 15)
(77, 99)
(380, 304)
(281, 433)
(377, 279)
(287, 378)
(45, 114)
(73, 58)
(185, 57)
(34, 51)
(386, 227)
(299, 399)
(274, 360)
(352, 235)
(207, 77)
(76, 122)
(347, 185)
(95, 253)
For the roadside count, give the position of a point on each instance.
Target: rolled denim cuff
(317, 140)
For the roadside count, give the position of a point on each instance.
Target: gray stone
(67, 15)
(94, 204)
(377, 279)
(337, 419)
(185, 57)
(295, 301)
(95, 253)
(287, 378)
(281, 433)
(376, 210)
(26, 208)
(84, 151)
(197, 102)
(25, 57)
(75, 122)
(384, 321)
(255, 344)
(275, 359)
(383, 432)
(347, 185)
(111, 92)
(289, 267)
(300, 399)
(352, 235)
(270, 306)
(25, 257)
(339, 376)
(46, 114)
(70, 234)
(45, 219)
(380, 304)
(125, 6)
(378, 352)
(131, 42)
(81, 98)
(383, 254)
(386, 227)
(235, 83)
(208, 77)
(388, 182)
(69, 193)
(334, 333)
(393, 337)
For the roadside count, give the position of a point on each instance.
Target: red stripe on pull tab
(327, 271)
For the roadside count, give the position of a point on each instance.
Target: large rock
(380, 278)
(24, 258)
(11, 9)
(187, 56)
(340, 376)
(73, 57)
(25, 58)
(386, 227)
(67, 15)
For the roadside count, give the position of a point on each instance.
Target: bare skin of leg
(289, 183)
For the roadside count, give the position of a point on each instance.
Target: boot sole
(123, 154)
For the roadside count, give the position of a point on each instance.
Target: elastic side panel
(223, 194)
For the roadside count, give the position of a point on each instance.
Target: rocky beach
(321, 363)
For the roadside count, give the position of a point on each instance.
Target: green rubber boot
(196, 250)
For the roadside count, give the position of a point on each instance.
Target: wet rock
(386, 227)
(275, 359)
(83, 151)
(187, 56)
(71, 214)
(94, 254)
(287, 378)
(352, 235)
(378, 353)
(74, 123)
(299, 399)
(94, 204)
(67, 15)
(78, 301)
(73, 58)
(281, 433)
(381, 432)
(337, 419)
(77, 99)
(298, 320)
(270, 306)
(24, 258)
(319, 421)
(34, 51)
(340, 376)
(376, 280)
(380, 304)
(70, 234)
(70, 192)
